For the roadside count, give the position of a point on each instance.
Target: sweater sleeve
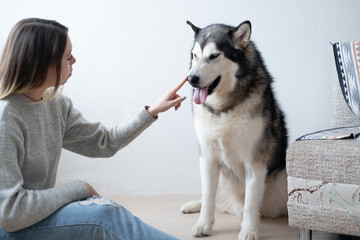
(95, 140)
(19, 207)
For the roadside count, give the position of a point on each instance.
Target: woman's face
(66, 63)
(66, 67)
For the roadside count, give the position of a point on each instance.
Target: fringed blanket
(335, 133)
(347, 61)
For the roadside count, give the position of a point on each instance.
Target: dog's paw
(191, 207)
(201, 229)
(248, 234)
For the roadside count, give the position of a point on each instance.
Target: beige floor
(163, 213)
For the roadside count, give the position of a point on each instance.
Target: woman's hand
(92, 191)
(167, 101)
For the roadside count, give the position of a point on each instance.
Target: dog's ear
(241, 34)
(195, 29)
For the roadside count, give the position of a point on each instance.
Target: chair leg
(305, 234)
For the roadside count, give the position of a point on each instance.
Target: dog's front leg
(254, 192)
(209, 169)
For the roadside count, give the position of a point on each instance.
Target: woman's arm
(95, 140)
(20, 207)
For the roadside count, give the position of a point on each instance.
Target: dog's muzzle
(194, 80)
(200, 94)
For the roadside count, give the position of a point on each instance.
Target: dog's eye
(194, 56)
(213, 56)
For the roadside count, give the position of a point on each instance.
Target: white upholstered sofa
(324, 178)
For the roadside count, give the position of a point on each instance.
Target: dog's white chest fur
(231, 136)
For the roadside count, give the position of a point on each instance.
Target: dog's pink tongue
(200, 95)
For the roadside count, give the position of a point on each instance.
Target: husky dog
(240, 128)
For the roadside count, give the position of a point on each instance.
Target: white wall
(129, 52)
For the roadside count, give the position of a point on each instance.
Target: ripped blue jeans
(94, 218)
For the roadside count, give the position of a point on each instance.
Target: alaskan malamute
(240, 128)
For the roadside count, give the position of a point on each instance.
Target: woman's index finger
(177, 88)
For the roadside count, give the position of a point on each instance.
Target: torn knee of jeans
(97, 201)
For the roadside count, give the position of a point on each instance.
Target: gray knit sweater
(31, 139)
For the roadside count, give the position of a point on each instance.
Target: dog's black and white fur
(240, 128)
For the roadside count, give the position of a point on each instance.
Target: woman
(35, 124)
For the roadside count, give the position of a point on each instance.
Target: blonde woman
(36, 124)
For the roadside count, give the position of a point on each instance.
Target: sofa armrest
(325, 160)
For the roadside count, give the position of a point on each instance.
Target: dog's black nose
(194, 80)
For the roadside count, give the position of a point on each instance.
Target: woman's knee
(91, 211)
(99, 207)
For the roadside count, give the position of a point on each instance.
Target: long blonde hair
(33, 45)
